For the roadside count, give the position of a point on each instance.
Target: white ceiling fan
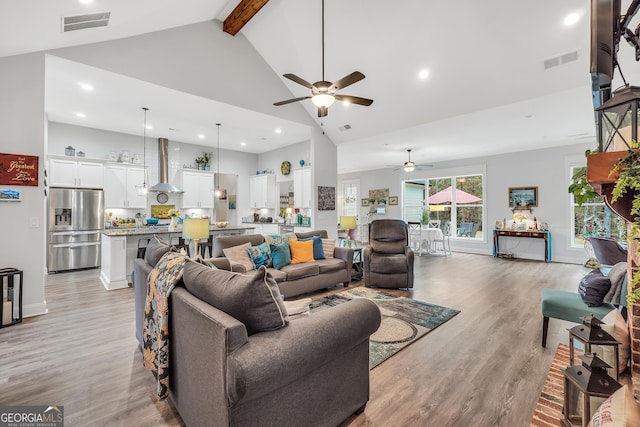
(410, 166)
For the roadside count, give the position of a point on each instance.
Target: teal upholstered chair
(569, 306)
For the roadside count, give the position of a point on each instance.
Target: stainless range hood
(163, 158)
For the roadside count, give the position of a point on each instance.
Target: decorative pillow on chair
(252, 298)
(593, 288)
(619, 410)
(260, 255)
(301, 251)
(615, 325)
(280, 255)
(239, 254)
(328, 245)
(318, 251)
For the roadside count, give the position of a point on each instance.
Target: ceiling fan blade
(350, 79)
(323, 111)
(298, 80)
(354, 99)
(289, 101)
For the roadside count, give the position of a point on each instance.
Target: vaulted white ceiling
(487, 91)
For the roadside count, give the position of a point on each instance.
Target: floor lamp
(196, 229)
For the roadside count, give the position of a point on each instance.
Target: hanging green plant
(628, 180)
(582, 191)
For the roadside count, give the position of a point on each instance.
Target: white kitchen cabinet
(302, 194)
(74, 173)
(113, 268)
(198, 190)
(119, 187)
(263, 191)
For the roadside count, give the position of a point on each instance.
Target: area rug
(404, 320)
(549, 408)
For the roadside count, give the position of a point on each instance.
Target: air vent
(345, 127)
(80, 22)
(560, 60)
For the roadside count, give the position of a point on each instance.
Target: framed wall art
(365, 202)
(393, 200)
(7, 195)
(523, 197)
(326, 198)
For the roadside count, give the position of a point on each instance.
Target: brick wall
(633, 320)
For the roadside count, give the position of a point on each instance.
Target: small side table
(11, 286)
(357, 268)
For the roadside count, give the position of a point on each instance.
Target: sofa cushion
(327, 247)
(318, 251)
(155, 249)
(593, 288)
(252, 298)
(301, 251)
(278, 239)
(388, 263)
(278, 275)
(260, 255)
(280, 255)
(239, 254)
(301, 270)
(331, 264)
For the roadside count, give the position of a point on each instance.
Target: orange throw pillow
(301, 251)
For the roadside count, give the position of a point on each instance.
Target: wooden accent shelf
(599, 175)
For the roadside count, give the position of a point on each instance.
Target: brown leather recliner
(388, 260)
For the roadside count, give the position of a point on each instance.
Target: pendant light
(218, 192)
(142, 189)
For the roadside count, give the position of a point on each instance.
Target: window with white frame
(350, 192)
(593, 219)
(453, 200)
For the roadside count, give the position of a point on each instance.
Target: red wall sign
(18, 169)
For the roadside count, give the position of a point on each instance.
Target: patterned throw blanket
(161, 281)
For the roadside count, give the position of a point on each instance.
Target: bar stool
(142, 247)
(181, 244)
(208, 244)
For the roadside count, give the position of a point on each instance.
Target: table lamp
(196, 229)
(348, 223)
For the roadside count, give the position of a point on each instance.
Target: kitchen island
(120, 247)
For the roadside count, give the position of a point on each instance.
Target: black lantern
(585, 388)
(590, 333)
(618, 120)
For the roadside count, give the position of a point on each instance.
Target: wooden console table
(535, 234)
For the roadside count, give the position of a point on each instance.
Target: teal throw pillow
(280, 255)
(260, 255)
(318, 251)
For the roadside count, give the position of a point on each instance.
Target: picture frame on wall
(523, 197)
(365, 202)
(393, 200)
(10, 195)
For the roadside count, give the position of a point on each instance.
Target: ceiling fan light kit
(323, 93)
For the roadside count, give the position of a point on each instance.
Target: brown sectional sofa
(297, 279)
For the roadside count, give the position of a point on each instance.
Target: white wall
(23, 132)
(547, 169)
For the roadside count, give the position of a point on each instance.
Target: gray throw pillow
(253, 298)
(155, 249)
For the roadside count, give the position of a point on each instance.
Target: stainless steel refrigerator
(76, 219)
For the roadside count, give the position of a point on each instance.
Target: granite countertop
(277, 223)
(162, 229)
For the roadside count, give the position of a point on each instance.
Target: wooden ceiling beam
(243, 12)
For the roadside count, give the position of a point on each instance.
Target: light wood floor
(485, 367)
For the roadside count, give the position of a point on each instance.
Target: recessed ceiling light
(85, 86)
(571, 19)
(278, 130)
(243, 143)
(81, 115)
(149, 127)
(201, 136)
(423, 74)
(85, 1)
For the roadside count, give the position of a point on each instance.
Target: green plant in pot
(628, 180)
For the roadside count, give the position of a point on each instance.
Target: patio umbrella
(445, 196)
